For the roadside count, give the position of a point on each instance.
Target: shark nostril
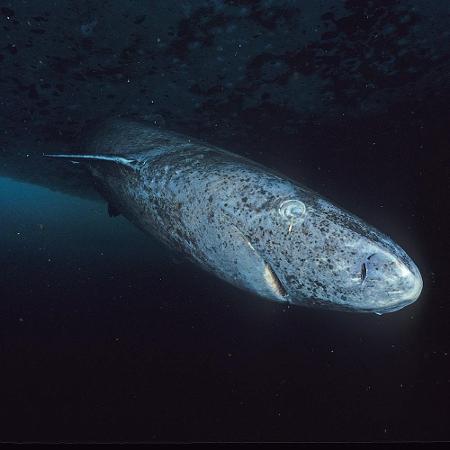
(363, 271)
(368, 266)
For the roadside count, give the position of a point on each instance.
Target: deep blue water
(105, 335)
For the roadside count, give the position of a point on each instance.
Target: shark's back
(123, 136)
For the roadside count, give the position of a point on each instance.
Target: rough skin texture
(249, 225)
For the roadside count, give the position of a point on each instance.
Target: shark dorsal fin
(77, 158)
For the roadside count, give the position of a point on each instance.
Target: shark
(247, 224)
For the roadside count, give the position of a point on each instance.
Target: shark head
(313, 253)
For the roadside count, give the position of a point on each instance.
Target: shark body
(247, 224)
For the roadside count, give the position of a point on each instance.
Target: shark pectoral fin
(112, 210)
(250, 270)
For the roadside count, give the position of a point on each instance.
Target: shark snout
(410, 284)
(394, 283)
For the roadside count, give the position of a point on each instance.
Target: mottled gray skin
(250, 226)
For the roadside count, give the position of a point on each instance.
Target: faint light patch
(88, 28)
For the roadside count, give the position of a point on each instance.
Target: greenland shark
(249, 225)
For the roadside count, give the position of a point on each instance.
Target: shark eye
(292, 209)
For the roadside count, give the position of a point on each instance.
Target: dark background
(107, 336)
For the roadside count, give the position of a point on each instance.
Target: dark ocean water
(105, 335)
